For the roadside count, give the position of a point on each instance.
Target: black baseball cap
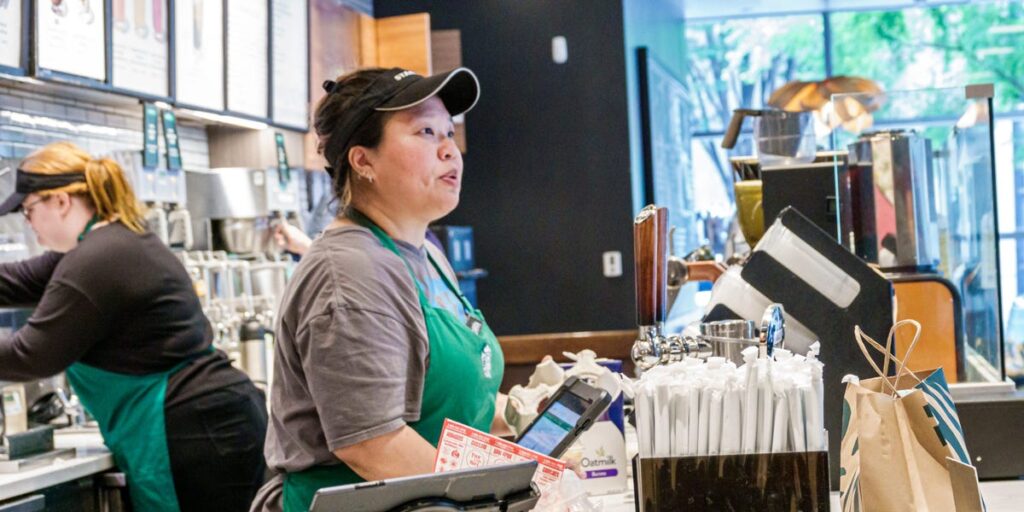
(398, 89)
(26, 182)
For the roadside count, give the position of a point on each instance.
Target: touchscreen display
(554, 424)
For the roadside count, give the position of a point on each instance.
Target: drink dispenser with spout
(163, 191)
(650, 245)
(654, 271)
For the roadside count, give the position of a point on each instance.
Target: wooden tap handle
(650, 249)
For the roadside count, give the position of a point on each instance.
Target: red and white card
(463, 447)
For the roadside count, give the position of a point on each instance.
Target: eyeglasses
(26, 210)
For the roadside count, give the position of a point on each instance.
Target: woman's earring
(367, 177)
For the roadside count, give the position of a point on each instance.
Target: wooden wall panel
(334, 46)
(404, 42)
(367, 41)
(446, 54)
(445, 49)
(524, 352)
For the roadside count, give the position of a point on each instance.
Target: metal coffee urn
(886, 194)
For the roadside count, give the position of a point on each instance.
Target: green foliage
(942, 46)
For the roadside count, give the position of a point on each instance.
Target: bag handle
(863, 340)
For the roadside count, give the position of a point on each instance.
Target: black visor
(399, 89)
(26, 183)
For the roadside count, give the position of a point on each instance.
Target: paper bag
(902, 445)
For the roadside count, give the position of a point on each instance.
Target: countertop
(1000, 496)
(91, 457)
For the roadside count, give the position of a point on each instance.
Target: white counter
(1001, 496)
(91, 457)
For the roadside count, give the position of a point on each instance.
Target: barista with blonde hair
(117, 312)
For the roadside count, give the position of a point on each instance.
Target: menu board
(10, 33)
(199, 53)
(290, 79)
(247, 57)
(70, 37)
(140, 46)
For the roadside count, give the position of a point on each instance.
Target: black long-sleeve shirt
(119, 301)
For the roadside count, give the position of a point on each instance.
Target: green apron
(130, 413)
(465, 370)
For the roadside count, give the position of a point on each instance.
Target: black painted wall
(547, 182)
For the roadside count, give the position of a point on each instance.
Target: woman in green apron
(116, 311)
(376, 344)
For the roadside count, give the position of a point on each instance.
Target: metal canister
(728, 338)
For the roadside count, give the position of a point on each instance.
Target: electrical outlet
(612, 263)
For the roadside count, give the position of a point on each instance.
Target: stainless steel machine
(238, 270)
(234, 208)
(163, 192)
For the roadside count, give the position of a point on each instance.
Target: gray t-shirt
(352, 349)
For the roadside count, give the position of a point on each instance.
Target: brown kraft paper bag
(902, 447)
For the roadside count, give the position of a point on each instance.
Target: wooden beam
(531, 348)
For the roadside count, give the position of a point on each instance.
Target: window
(738, 62)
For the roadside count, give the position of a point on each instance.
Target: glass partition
(917, 198)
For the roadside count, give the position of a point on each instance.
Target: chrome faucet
(650, 244)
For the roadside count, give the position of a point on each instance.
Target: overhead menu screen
(10, 33)
(70, 37)
(247, 57)
(140, 46)
(290, 78)
(199, 53)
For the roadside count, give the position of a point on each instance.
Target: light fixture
(23, 79)
(33, 121)
(225, 119)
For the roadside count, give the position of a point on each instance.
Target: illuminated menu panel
(10, 33)
(290, 63)
(247, 57)
(199, 53)
(70, 37)
(140, 46)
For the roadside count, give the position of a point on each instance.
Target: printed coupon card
(463, 447)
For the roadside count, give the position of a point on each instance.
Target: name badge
(474, 324)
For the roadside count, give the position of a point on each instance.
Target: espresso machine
(234, 209)
(236, 266)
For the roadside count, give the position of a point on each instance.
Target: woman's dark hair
(329, 117)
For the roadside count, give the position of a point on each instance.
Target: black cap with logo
(399, 89)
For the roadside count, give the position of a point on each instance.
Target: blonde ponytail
(106, 186)
(112, 195)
